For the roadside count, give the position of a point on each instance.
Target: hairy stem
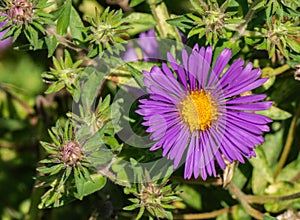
(244, 202)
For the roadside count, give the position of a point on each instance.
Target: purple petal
(251, 106)
(248, 98)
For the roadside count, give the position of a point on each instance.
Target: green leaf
(141, 212)
(272, 147)
(139, 22)
(293, 44)
(196, 4)
(50, 170)
(131, 207)
(64, 18)
(194, 31)
(76, 25)
(182, 22)
(51, 43)
(191, 197)
(90, 187)
(267, 217)
(270, 82)
(134, 3)
(289, 171)
(262, 173)
(136, 74)
(275, 113)
(90, 88)
(282, 189)
(57, 86)
(79, 182)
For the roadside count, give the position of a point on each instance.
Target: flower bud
(71, 153)
(20, 11)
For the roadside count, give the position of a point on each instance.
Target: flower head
(195, 112)
(20, 12)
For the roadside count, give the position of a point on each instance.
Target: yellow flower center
(198, 110)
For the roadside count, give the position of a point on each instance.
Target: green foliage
(65, 74)
(210, 20)
(106, 30)
(28, 17)
(85, 161)
(153, 197)
(67, 173)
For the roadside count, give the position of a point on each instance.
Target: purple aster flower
(149, 45)
(196, 114)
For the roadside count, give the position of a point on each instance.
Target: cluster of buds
(20, 12)
(70, 153)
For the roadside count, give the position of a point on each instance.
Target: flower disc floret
(198, 110)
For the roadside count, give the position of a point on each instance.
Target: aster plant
(149, 109)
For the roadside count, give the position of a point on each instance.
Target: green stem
(207, 215)
(288, 143)
(278, 70)
(265, 199)
(161, 14)
(244, 202)
(217, 182)
(243, 26)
